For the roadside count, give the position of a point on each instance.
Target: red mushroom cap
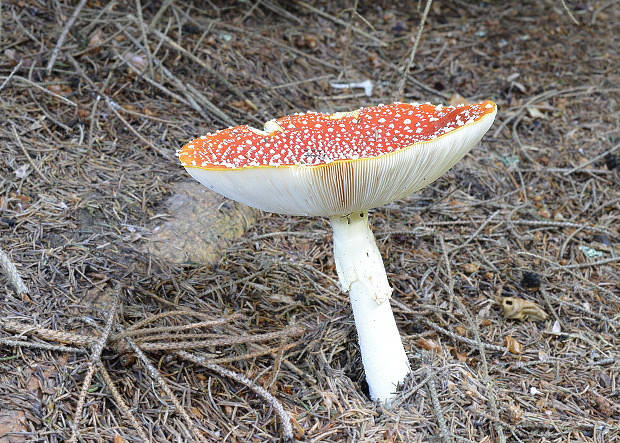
(316, 139)
(331, 164)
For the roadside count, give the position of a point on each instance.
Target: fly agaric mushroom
(341, 165)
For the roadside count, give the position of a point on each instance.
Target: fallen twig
(474, 326)
(311, 8)
(95, 359)
(155, 374)
(9, 269)
(44, 346)
(63, 35)
(228, 341)
(592, 160)
(287, 430)
(444, 433)
(403, 79)
(120, 402)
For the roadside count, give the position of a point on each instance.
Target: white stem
(361, 273)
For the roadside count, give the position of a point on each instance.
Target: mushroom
(339, 166)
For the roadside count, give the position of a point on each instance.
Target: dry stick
(23, 148)
(156, 84)
(200, 62)
(120, 402)
(570, 92)
(345, 57)
(586, 171)
(485, 367)
(474, 235)
(582, 309)
(161, 315)
(451, 334)
(182, 87)
(9, 269)
(594, 263)
(257, 36)
(96, 20)
(589, 162)
(203, 324)
(403, 79)
(94, 360)
(444, 433)
(210, 105)
(228, 341)
(63, 35)
(553, 224)
(234, 282)
(83, 340)
(279, 10)
(91, 118)
(277, 363)
(113, 107)
(162, 382)
(173, 336)
(416, 82)
(580, 277)
(287, 429)
(15, 69)
(402, 399)
(341, 22)
(570, 14)
(255, 354)
(462, 339)
(44, 346)
(567, 241)
(47, 334)
(159, 14)
(143, 29)
(136, 133)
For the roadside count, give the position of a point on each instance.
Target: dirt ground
(112, 343)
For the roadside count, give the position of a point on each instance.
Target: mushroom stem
(362, 274)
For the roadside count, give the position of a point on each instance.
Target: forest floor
(108, 342)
